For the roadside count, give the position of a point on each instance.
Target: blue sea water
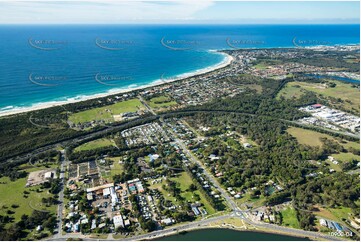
(50, 63)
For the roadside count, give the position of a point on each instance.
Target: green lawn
(161, 102)
(106, 113)
(340, 212)
(336, 214)
(117, 168)
(12, 193)
(95, 144)
(289, 218)
(346, 157)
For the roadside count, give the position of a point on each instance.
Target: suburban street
(63, 161)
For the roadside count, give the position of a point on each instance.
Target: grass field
(161, 102)
(184, 180)
(12, 193)
(117, 168)
(256, 87)
(95, 144)
(346, 157)
(336, 214)
(307, 137)
(312, 138)
(292, 90)
(289, 218)
(348, 94)
(106, 113)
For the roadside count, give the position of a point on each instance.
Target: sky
(178, 12)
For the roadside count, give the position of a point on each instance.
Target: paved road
(63, 161)
(179, 228)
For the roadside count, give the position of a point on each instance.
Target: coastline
(38, 106)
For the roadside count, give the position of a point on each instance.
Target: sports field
(106, 113)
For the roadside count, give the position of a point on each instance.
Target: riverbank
(224, 233)
(17, 110)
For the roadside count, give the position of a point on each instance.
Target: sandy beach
(227, 60)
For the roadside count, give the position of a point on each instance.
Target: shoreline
(38, 106)
(253, 230)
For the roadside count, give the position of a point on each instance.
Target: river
(230, 235)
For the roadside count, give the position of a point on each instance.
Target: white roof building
(106, 192)
(118, 221)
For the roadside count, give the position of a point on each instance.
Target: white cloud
(98, 11)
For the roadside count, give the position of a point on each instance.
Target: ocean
(51, 63)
